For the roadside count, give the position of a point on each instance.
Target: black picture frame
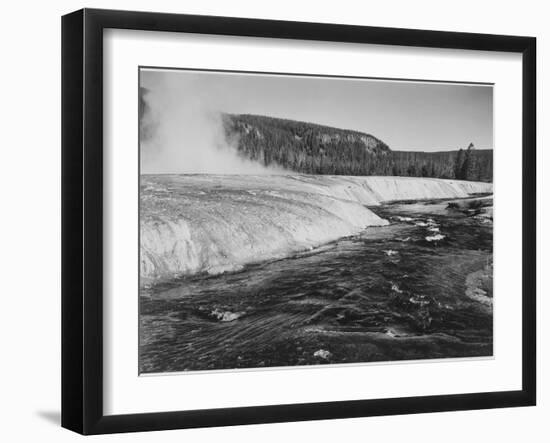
(82, 220)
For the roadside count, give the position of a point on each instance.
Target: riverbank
(218, 223)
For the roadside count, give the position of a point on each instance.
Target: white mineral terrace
(219, 223)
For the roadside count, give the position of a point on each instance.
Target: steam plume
(181, 130)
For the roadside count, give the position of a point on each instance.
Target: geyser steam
(181, 128)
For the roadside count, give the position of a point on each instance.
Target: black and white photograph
(243, 222)
(296, 220)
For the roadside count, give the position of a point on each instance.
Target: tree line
(316, 149)
(464, 164)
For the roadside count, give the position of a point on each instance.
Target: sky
(405, 115)
(413, 116)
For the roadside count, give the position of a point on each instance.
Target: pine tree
(468, 170)
(458, 164)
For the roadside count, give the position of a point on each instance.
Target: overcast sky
(405, 115)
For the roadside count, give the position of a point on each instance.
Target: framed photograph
(270, 221)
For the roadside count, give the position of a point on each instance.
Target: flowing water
(419, 288)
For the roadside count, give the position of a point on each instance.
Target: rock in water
(322, 353)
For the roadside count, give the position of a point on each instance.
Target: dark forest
(315, 149)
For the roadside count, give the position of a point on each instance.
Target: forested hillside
(315, 149)
(305, 147)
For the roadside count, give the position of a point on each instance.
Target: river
(419, 288)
